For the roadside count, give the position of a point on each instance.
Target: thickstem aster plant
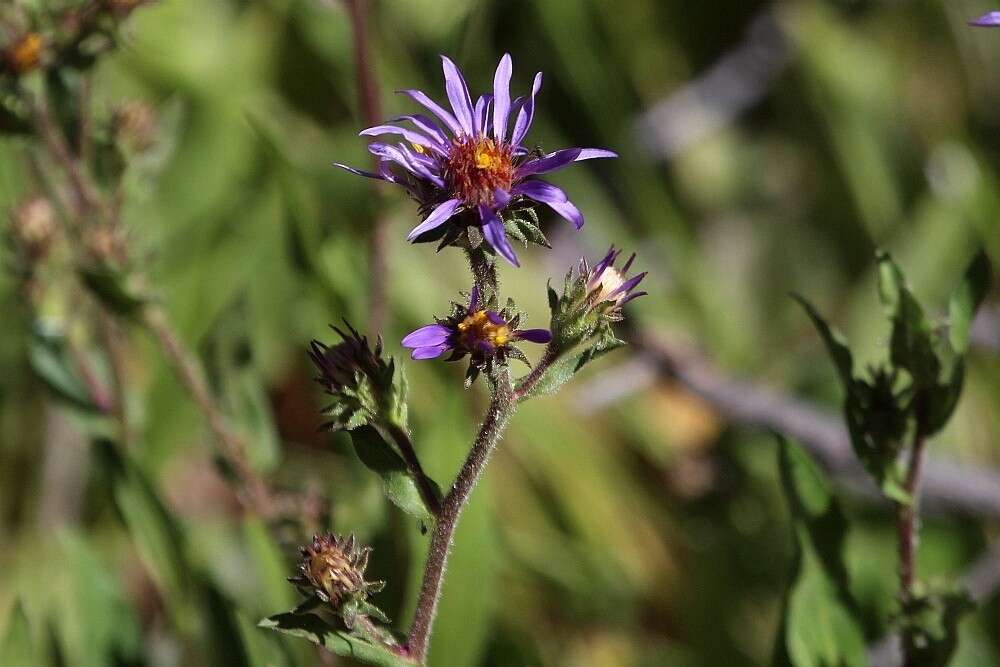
(467, 165)
(475, 183)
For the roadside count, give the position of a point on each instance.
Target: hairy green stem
(908, 534)
(531, 380)
(492, 429)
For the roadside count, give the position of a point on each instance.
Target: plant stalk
(908, 534)
(492, 429)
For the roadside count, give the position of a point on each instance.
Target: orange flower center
(477, 166)
(477, 328)
(26, 54)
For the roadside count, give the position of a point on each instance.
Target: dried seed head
(134, 125)
(333, 569)
(106, 245)
(34, 226)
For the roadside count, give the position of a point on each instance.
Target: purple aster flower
(474, 330)
(988, 20)
(469, 159)
(609, 285)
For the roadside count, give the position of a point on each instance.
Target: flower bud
(365, 387)
(333, 569)
(592, 299)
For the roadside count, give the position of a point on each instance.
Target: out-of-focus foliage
(647, 532)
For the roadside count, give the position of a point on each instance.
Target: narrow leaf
(316, 630)
(836, 344)
(820, 624)
(379, 457)
(966, 299)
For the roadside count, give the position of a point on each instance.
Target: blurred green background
(637, 531)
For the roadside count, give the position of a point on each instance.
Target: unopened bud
(365, 387)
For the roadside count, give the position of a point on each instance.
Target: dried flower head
(25, 53)
(134, 126)
(474, 330)
(34, 227)
(475, 163)
(333, 569)
(364, 386)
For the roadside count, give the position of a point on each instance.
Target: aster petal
(458, 94)
(474, 299)
(410, 135)
(526, 113)
(404, 157)
(540, 191)
(988, 20)
(446, 117)
(630, 297)
(495, 317)
(534, 335)
(553, 196)
(607, 261)
(479, 113)
(495, 234)
(429, 352)
(428, 336)
(560, 159)
(501, 97)
(437, 217)
(427, 126)
(360, 172)
(501, 197)
(628, 285)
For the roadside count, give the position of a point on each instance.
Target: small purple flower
(481, 333)
(988, 20)
(469, 159)
(609, 285)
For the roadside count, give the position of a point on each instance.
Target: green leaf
(820, 625)
(379, 456)
(912, 344)
(966, 299)
(113, 288)
(16, 649)
(930, 627)
(158, 538)
(836, 344)
(563, 370)
(316, 630)
(50, 359)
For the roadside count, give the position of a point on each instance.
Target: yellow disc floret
(478, 166)
(478, 328)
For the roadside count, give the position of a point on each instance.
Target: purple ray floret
(479, 332)
(988, 20)
(468, 159)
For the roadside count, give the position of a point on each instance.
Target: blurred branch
(985, 331)
(947, 486)
(736, 82)
(371, 114)
(191, 375)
